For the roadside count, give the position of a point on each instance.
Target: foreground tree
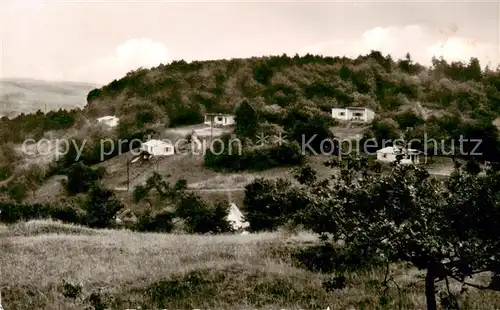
(447, 228)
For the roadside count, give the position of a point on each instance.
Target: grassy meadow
(125, 270)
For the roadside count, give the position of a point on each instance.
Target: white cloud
(128, 56)
(422, 44)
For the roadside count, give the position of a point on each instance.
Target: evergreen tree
(246, 120)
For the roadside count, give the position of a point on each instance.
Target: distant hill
(179, 93)
(28, 95)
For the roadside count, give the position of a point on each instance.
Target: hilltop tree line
(318, 82)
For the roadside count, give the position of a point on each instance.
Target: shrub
(101, 208)
(81, 178)
(13, 212)
(6, 171)
(158, 222)
(246, 119)
(408, 119)
(17, 191)
(270, 204)
(310, 132)
(200, 217)
(286, 154)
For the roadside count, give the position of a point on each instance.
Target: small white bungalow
(388, 155)
(110, 121)
(219, 119)
(158, 148)
(355, 114)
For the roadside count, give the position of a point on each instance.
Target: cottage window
(167, 149)
(358, 114)
(219, 118)
(342, 114)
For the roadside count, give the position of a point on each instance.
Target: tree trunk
(430, 295)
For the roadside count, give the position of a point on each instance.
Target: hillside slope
(181, 91)
(125, 270)
(28, 96)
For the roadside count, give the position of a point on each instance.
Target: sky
(98, 41)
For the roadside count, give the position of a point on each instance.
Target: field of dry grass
(156, 271)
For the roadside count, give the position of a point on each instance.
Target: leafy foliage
(446, 228)
(197, 215)
(15, 212)
(247, 123)
(228, 157)
(101, 208)
(81, 178)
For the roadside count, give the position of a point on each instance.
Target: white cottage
(158, 148)
(354, 114)
(110, 121)
(388, 155)
(219, 119)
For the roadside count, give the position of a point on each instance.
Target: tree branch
(480, 287)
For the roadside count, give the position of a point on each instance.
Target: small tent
(235, 218)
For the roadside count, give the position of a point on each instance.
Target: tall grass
(125, 270)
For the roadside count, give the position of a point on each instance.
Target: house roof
(353, 108)
(107, 118)
(154, 142)
(394, 150)
(356, 108)
(218, 114)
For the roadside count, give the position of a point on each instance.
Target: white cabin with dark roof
(353, 114)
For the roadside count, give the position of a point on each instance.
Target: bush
(101, 208)
(200, 217)
(246, 119)
(17, 191)
(159, 222)
(197, 215)
(310, 132)
(408, 119)
(5, 172)
(81, 178)
(270, 204)
(286, 154)
(12, 213)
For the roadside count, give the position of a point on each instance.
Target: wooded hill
(181, 92)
